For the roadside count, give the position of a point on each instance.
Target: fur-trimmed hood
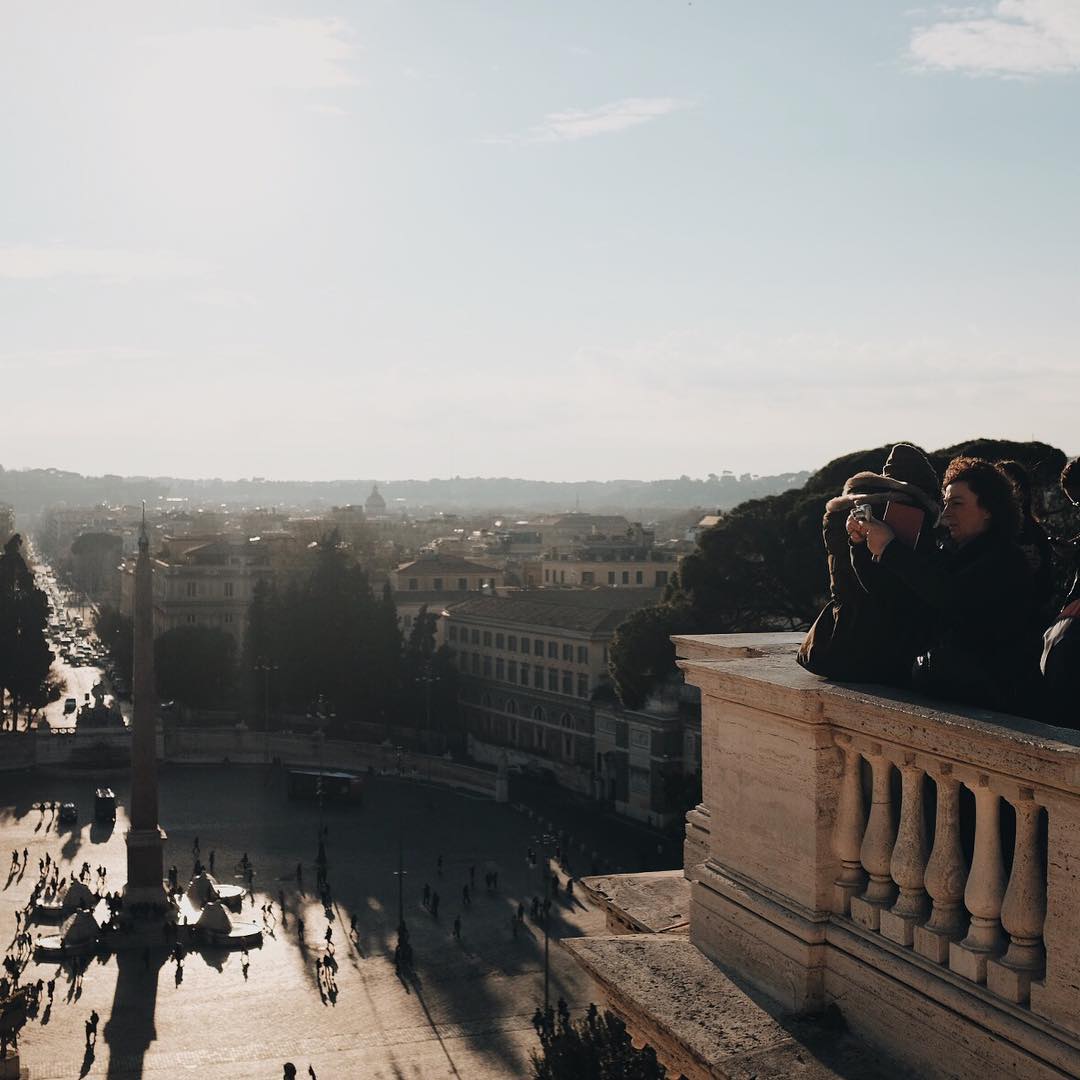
(876, 490)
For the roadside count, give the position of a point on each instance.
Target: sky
(551, 240)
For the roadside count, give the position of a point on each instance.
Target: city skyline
(630, 241)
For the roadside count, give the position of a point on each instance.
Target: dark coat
(871, 630)
(979, 599)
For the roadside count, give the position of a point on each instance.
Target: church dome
(374, 503)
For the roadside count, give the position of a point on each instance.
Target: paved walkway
(466, 1013)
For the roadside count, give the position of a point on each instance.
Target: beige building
(530, 665)
(647, 573)
(7, 522)
(444, 574)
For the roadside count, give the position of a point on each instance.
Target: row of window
(588, 577)
(527, 736)
(558, 682)
(524, 645)
(191, 589)
(438, 583)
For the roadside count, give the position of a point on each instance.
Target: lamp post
(320, 715)
(544, 843)
(402, 929)
(428, 678)
(266, 666)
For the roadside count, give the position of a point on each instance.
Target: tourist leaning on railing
(872, 628)
(1060, 662)
(977, 591)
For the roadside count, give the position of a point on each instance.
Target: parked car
(70, 705)
(69, 812)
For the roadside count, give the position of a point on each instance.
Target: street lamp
(428, 678)
(266, 666)
(320, 714)
(545, 842)
(403, 930)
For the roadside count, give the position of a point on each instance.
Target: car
(70, 705)
(69, 812)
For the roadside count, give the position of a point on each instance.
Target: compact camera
(863, 513)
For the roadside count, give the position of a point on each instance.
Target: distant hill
(31, 490)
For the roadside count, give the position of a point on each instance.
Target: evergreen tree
(25, 657)
(597, 1047)
(195, 665)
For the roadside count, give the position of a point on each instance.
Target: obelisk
(145, 883)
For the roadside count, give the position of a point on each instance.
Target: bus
(336, 786)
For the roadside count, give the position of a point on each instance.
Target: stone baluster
(877, 844)
(946, 873)
(984, 890)
(1023, 910)
(848, 828)
(908, 863)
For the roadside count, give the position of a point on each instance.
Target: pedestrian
(426, 894)
(435, 905)
(457, 927)
(465, 895)
(438, 865)
(212, 854)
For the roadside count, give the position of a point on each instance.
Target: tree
(195, 665)
(117, 633)
(25, 657)
(598, 1047)
(641, 652)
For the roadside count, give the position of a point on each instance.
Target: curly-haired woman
(977, 589)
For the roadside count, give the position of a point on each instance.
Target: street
(467, 1013)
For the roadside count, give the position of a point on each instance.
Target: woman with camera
(976, 589)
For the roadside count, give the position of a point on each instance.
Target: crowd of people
(951, 586)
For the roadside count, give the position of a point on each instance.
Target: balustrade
(848, 828)
(908, 864)
(877, 846)
(946, 875)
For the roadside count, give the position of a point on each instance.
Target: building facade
(531, 664)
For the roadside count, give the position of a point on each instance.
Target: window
(453, 633)
(547, 575)
(476, 663)
(475, 637)
(639, 738)
(538, 677)
(500, 641)
(611, 577)
(413, 584)
(587, 577)
(191, 618)
(639, 781)
(568, 746)
(661, 577)
(500, 668)
(525, 645)
(524, 674)
(437, 584)
(511, 670)
(538, 647)
(566, 721)
(553, 650)
(511, 644)
(463, 584)
(639, 578)
(626, 577)
(553, 679)
(538, 714)
(606, 725)
(487, 638)
(228, 588)
(487, 665)
(583, 686)
(228, 618)
(192, 588)
(511, 706)
(568, 651)
(567, 682)
(562, 577)
(583, 654)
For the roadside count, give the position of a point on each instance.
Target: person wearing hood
(977, 590)
(871, 630)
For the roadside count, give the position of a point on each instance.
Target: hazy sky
(550, 239)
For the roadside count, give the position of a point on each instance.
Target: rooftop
(584, 610)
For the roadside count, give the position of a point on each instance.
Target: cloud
(1014, 38)
(298, 54)
(573, 124)
(71, 360)
(36, 262)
